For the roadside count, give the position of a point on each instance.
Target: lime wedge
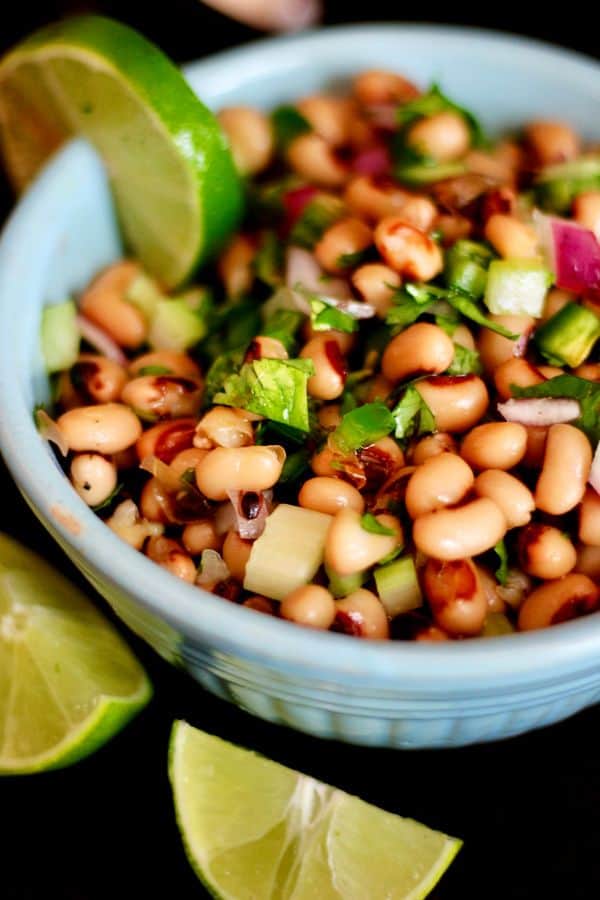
(255, 830)
(173, 178)
(68, 682)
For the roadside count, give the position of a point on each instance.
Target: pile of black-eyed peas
(386, 421)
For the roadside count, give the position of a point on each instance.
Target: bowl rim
(471, 665)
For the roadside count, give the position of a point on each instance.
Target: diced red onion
(250, 529)
(540, 411)
(571, 251)
(296, 200)
(372, 161)
(520, 345)
(594, 477)
(212, 568)
(50, 431)
(100, 340)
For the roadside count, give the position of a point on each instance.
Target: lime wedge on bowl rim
(68, 682)
(177, 192)
(255, 830)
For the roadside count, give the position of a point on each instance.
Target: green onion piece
(557, 186)
(412, 415)
(466, 267)
(288, 124)
(268, 262)
(465, 362)
(318, 215)
(274, 388)
(362, 426)
(223, 366)
(369, 523)
(325, 317)
(425, 173)
(283, 325)
(398, 586)
(342, 585)
(154, 370)
(502, 554)
(517, 287)
(568, 337)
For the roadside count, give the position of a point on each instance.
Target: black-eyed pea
(105, 428)
(350, 548)
(442, 480)
(586, 211)
(408, 250)
(310, 605)
(236, 553)
(265, 347)
(420, 349)
(94, 477)
(589, 371)
(452, 227)
(552, 142)
(170, 362)
(508, 493)
(378, 388)
(464, 531)
(340, 242)
(495, 445)
(375, 87)
(186, 461)
(457, 401)
(559, 601)
(565, 470)
(457, 600)
(510, 237)
(166, 439)
(103, 303)
(361, 614)
(536, 446)
(330, 117)
(155, 397)
(328, 495)
(489, 586)
(589, 518)
(545, 552)
(432, 445)
(556, 298)
(444, 136)
(420, 212)
(311, 157)
(155, 503)
(377, 285)
(169, 554)
(464, 337)
(329, 378)
(431, 634)
(221, 426)
(97, 378)
(550, 371)
(588, 561)
(236, 265)
(329, 416)
(374, 197)
(250, 137)
(495, 349)
(253, 468)
(199, 536)
(260, 604)
(515, 371)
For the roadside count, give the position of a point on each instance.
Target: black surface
(528, 808)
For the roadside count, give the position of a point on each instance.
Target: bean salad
(378, 412)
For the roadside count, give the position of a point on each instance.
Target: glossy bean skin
(310, 605)
(495, 445)
(340, 241)
(235, 265)
(98, 379)
(545, 552)
(179, 364)
(373, 198)
(455, 595)
(589, 518)
(586, 210)
(588, 561)
(328, 495)
(443, 137)
(552, 142)
(349, 548)
(375, 87)
(536, 446)
(408, 250)
(239, 469)
(250, 137)
(559, 601)
(464, 337)
(105, 428)
(515, 371)
(550, 371)
(489, 586)
(265, 347)
(556, 298)
(155, 397)
(169, 554)
(421, 349)
(567, 462)
(376, 284)
(451, 534)
(221, 426)
(511, 238)
(361, 614)
(457, 402)
(495, 349)
(199, 536)
(508, 493)
(432, 445)
(589, 371)
(329, 416)
(443, 480)
(236, 553)
(312, 157)
(94, 477)
(186, 460)
(166, 439)
(329, 116)
(330, 372)
(104, 303)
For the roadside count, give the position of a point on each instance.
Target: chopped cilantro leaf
(362, 426)
(274, 388)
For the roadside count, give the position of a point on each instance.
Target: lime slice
(68, 682)
(254, 830)
(172, 174)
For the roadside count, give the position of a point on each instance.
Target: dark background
(528, 809)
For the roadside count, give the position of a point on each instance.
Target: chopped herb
(268, 262)
(351, 260)
(370, 524)
(224, 365)
(470, 310)
(155, 370)
(318, 215)
(556, 186)
(586, 392)
(283, 325)
(412, 415)
(362, 426)
(325, 317)
(274, 388)
(465, 362)
(288, 124)
(502, 570)
(295, 465)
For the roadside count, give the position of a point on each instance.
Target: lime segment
(173, 178)
(255, 830)
(67, 681)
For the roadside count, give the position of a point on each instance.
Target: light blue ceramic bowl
(397, 695)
